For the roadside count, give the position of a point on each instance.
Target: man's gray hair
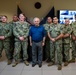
(36, 18)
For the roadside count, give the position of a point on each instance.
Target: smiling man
(5, 34)
(37, 41)
(21, 32)
(66, 41)
(55, 34)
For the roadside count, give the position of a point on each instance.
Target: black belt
(37, 41)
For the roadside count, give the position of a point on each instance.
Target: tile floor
(21, 69)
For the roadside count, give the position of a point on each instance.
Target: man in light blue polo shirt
(37, 41)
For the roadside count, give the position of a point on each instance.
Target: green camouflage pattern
(55, 31)
(21, 30)
(5, 30)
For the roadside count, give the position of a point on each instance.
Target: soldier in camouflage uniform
(15, 19)
(5, 34)
(21, 31)
(55, 35)
(73, 41)
(66, 41)
(47, 43)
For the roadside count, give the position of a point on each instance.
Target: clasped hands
(2, 37)
(53, 39)
(21, 38)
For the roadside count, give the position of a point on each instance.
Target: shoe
(66, 64)
(16, 63)
(40, 65)
(26, 63)
(59, 67)
(33, 65)
(9, 62)
(47, 60)
(51, 64)
(72, 60)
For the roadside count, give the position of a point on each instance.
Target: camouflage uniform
(47, 46)
(66, 42)
(12, 38)
(56, 30)
(18, 31)
(74, 42)
(5, 30)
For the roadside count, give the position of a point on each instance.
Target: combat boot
(59, 67)
(9, 62)
(26, 63)
(72, 60)
(51, 64)
(16, 62)
(66, 64)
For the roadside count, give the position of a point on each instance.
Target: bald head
(67, 21)
(36, 21)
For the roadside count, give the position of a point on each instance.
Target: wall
(31, 11)
(9, 7)
(65, 4)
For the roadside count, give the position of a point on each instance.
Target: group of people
(55, 37)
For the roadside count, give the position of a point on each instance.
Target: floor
(21, 69)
